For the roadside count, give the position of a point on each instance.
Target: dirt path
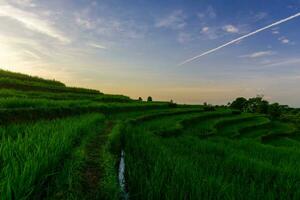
(92, 171)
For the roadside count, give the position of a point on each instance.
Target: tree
(257, 105)
(263, 107)
(172, 104)
(149, 98)
(275, 110)
(140, 99)
(239, 103)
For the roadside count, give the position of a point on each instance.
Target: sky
(135, 47)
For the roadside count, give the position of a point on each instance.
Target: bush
(208, 108)
(239, 103)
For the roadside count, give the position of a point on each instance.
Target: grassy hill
(60, 142)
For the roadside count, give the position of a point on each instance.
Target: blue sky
(134, 47)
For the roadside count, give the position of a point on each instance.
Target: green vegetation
(31, 153)
(60, 142)
(24, 77)
(259, 105)
(218, 167)
(149, 98)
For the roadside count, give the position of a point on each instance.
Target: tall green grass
(9, 93)
(186, 167)
(28, 85)
(16, 109)
(19, 76)
(31, 154)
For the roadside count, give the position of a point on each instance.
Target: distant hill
(24, 77)
(11, 80)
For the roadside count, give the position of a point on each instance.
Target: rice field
(60, 142)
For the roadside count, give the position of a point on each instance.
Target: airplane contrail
(240, 38)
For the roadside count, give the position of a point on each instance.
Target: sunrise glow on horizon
(134, 48)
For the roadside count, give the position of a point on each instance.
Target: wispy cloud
(32, 54)
(33, 22)
(283, 62)
(230, 28)
(19, 51)
(284, 40)
(184, 37)
(85, 23)
(258, 54)
(275, 30)
(205, 29)
(98, 46)
(175, 20)
(210, 32)
(260, 16)
(25, 47)
(241, 38)
(109, 27)
(24, 3)
(210, 12)
(215, 32)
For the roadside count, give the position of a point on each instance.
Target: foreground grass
(32, 154)
(187, 167)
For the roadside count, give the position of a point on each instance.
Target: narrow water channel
(122, 180)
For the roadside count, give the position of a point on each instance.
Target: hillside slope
(60, 142)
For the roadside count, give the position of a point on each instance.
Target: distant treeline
(259, 105)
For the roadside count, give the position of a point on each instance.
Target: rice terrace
(226, 138)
